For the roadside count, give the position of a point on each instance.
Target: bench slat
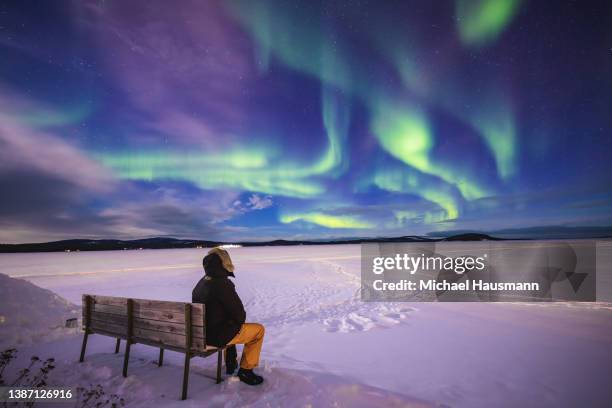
(105, 333)
(111, 318)
(168, 327)
(161, 338)
(203, 353)
(116, 310)
(108, 328)
(176, 307)
(109, 300)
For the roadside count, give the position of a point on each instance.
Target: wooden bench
(172, 326)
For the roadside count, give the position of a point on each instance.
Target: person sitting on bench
(225, 316)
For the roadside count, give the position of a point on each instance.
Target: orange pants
(251, 335)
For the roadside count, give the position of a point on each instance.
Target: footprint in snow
(367, 319)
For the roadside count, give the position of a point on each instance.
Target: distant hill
(541, 232)
(106, 245)
(471, 237)
(166, 243)
(551, 232)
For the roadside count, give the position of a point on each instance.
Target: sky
(243, 120)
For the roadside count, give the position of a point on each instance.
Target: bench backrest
(171, 325)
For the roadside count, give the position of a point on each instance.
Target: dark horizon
(167, 242)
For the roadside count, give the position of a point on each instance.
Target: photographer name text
(444, 285)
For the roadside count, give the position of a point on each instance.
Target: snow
(28, 313)
(324, 346)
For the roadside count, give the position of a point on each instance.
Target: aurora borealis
(256, 120)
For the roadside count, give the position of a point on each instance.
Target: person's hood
(218, 264)
(225, 258)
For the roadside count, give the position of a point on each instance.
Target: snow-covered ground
(324, 346)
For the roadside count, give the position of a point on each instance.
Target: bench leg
(126, 358)
(84, 346)
(185, 376)
(117, 345)
(160, 361)
(219, 358)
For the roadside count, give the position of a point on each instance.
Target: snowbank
(31, 314)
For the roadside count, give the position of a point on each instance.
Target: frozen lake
(320, 336)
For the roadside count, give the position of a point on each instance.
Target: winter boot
(249, 377)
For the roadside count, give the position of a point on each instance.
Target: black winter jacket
(224, 310)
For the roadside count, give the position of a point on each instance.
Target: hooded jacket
(224, 310)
